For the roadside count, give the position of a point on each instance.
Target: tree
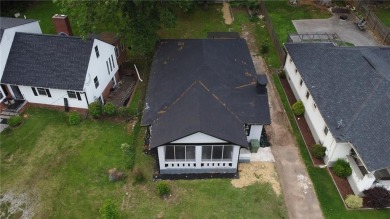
(137, 21)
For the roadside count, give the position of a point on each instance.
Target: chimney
(261, 84)
(62, 25)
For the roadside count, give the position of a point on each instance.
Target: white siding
(56, 99)
(8, 38)
(97, 67)
(198, 138)
(255, 132)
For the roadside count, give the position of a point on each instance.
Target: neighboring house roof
(197, 110)
(50, 61)
(224, 66)
(7, 22)
(351, 85)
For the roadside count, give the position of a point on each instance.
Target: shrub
(122, 111)
(14, 121)
(109, 210)
(282, 74)
(298, 108)
(109, 109)
(74, 118)
(377, 197)
(95, 109)
(354, 201)
(163, 188)
(318, 151)
(342, 169)
(138, 175)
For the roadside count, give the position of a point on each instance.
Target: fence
(374, 23)
(271, 30)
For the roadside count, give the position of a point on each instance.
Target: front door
(17, 94)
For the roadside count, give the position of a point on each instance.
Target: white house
(8, 28)
(345, 91)
(204, 103)
(58, 70)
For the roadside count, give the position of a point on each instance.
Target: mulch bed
(302, 123)
(342, 184)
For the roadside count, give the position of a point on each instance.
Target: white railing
(193, 165)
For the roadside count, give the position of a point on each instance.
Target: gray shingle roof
(192, 113)
(351, 84)
(224, 66)
(49, 61)
(8, 22)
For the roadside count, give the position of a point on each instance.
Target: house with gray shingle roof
(58, 71)
(8, 28)
(346, 94)
(205, 102)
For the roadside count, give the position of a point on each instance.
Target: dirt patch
(131, 124)
(254, 172)
(227, 15)
(16, 206)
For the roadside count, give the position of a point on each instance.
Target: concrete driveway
(345, 29)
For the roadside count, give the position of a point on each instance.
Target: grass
(65, 169)
(282, 14)
(383, 14)
(331, 204)
(44, 11)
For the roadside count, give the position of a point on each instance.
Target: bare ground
(227, 16)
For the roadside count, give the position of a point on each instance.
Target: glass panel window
(307, 95)
(96, 81)
(169, 152)
(180, 153)
(301, 82)
(227, 152)
(41, 91)
(72, 94)
(247, 129)
(190, 153)
(217, 152)
(97, 51)
(326, 130)
(206, 153)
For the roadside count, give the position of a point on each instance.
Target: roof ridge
(53, 35)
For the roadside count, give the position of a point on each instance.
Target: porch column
(161, 157)
(198, 156)
(236, 152)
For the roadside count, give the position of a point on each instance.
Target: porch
(10, 107)
(122, 92)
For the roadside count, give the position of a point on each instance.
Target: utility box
(255, 144)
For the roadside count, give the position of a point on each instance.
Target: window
(326, 130)
(179, 153)
(108, 69)
(217, 153)
(247, 129)
(116, 52)
(301, 82)
(43, 92)
(97, 51)
(123, 46)
(296, 70)
(96, 81)
(307, 95)
(315, 106)
(290, 59)
(100, 100)
(113, 63)
(72, 94)
(110, 63)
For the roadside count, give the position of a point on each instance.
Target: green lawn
(44, 11)
(282, 14)
(331, 204)
(64, 168)
(383, 14)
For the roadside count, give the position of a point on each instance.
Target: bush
(109, 210)
(298, 108)
(354, 201)
(138, 176)
(163, 188)
(377, 197)
(342, 169)
(282, 74)
(14, 121)
(264, 48)
(318, 151)
(74, 118)
(122, 111)
(109, 109)
(95, 109)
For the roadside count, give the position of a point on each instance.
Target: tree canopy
(137, 21)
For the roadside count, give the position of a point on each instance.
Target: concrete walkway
(345, 29)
